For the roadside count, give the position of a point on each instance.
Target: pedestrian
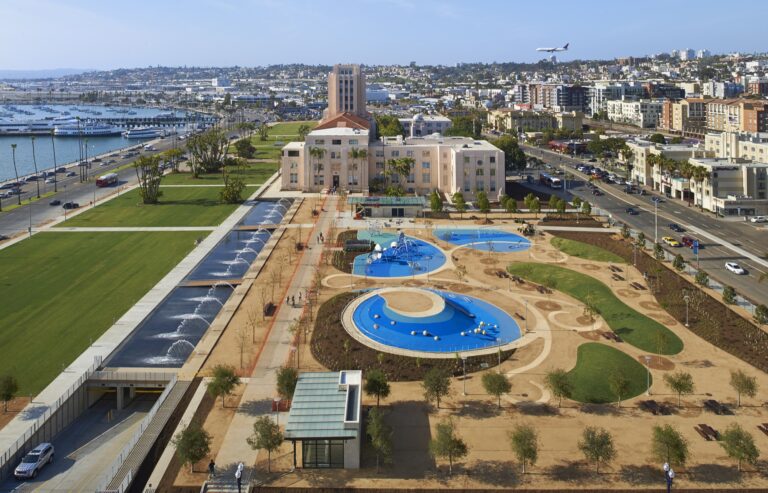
(293, 301)
(299, 296)
(287, 300)
(239, 478)
(212, 469)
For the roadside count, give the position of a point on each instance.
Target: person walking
(293, 301)
(239, 477)
(212, 469)
(299, 296)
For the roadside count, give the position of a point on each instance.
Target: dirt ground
(554, 327)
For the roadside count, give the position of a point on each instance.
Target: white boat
(144, 133)
(86, 130)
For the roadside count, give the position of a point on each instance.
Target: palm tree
(13, 150)
(53, 145)
(34, 161)
(317, 153)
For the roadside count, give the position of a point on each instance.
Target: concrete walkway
(260, 389)
(129, 229)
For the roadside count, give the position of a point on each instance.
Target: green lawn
(284, 130)
(595, 363)
(62, 290)
(583, 250)
(253, 174)
(634, 327)
(183, 206)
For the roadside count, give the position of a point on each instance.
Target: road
(723, 240)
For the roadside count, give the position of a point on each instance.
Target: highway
(722, 239)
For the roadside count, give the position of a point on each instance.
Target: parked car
(670, 241)
(70, 205)
(55, 202)
(632, 212)
(61, 169)
(758, 219)
(735, 268)
(32, 178)
(676, 228)
(4, 237)
(34, 461)
(50, 180)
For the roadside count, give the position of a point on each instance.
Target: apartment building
(721, 90)
(733, 187)
(688, 117)
(644, 113)
(557, 97)
(420, 124)
(645, 174)
(737, 145)
(737, 115)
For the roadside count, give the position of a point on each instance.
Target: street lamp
(277, 409)
(687, 300)
(656, 221)
(647, 375)
(464, 378)
(526, 316)
(498, 341)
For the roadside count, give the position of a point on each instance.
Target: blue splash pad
(484, 239)
(422, 257)
(461, 314)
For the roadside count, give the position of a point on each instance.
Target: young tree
(619, 384)
(597, 446)
(761, 314)
(287, 377)
(729, 295)
(586, 208)
(680, 383)
(232, 193)
(172, 156)
(743, 384)
(702, 279)
(625, 232)
(8, 388)
(678, 263)
(303, 131)
(435, 202)
(149, 175)
(641, 240)
(558, 383)
(376, 384)
(460, 204)
(658, 252)
(208, 151)
(483, 204)
(552, 202)
(436, 385)
(496, 384)
(668, 445)
(223, 382)
(192, 444)
(380, 434)
(739, 445)
(245, 149)
(511, 206)
(525, 444)
(561, 206)
(266, 436)
(535, 206)
(446, 445)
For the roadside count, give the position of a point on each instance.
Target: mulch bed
(709, 318)
(343, 260)
(657, 363)
(329, 340)
(570, 220)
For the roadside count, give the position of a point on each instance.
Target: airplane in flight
(552, 50)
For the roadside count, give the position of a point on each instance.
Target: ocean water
(68, 149)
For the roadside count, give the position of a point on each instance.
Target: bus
(106, 180)
(550, 181)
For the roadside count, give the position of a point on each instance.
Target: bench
(269, 309)
(703, 435)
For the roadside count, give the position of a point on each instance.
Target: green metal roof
(318, 408)
(388, 201)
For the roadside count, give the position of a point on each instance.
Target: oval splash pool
(495, 240)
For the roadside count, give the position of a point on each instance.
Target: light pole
(498, 341)
(55, 173)
(16, 171)
(647, 375)
(464, 379)
(687, 300)
(526, 316)
(34, 161)
(277, 410)
(656, 221)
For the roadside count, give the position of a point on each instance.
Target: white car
(758, 219)
(735, 268)
(34, 461)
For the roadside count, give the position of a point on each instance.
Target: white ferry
(144, 133)
(86, 130)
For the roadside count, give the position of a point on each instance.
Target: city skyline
(215, 33)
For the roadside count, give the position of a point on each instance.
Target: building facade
(737, 145)
(644, 113)
(732, 187)
(420, 125)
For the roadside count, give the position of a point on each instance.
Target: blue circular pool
(495, 240)
(451, 323)
(404, 256)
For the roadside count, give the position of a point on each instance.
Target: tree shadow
(574, 472)
(496, 473)
(699, 363)
(479, 410)
(601, 409)
(536, 409)
(715, 473)
(641, 474)
(256, 407)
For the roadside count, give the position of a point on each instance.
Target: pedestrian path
(260, 389)
(129, 229)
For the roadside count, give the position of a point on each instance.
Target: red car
(688, 241)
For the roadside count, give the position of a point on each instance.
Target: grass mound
(634, 327)
(595, 363)
(583, 250)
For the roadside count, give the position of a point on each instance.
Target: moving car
(61, 169)
(71, 173)
(735, 268)
(50, 180)
(55, 202)
(34, 461)
(670, 241)
(689, 241)
(71, 205)
(676, 228)
(632, 212)
(656, 199)
(758, 219)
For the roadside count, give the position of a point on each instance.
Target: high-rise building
(346, 92)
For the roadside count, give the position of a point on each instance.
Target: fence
(41, 427)
(125, 452)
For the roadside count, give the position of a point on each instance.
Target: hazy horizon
(223, 33)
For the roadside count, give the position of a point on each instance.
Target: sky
(108, 34)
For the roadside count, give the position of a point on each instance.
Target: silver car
(34, 461)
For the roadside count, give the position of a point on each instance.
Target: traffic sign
(695, 247)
